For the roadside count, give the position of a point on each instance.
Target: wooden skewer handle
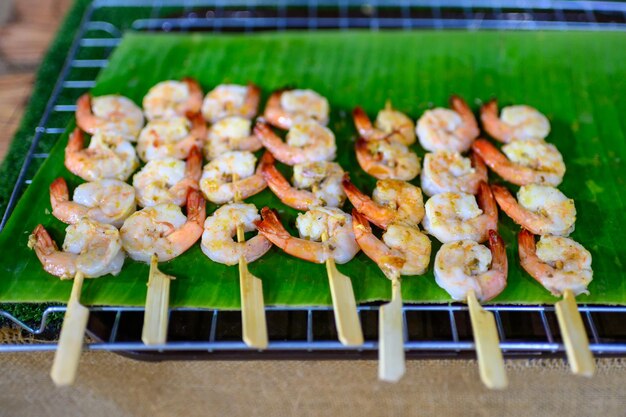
(391, 358)
(487, 341)
(67, 356)
(156, 316)
(574, 335)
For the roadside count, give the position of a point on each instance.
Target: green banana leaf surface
(577, 79)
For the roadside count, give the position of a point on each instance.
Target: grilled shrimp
(163, 229)
(168, 180)
(456, 216)
(230, 134)
(286, 108)
(90, 247)
(403, 251)
(341, 244)
(466, 265)
(515, 122)
(231, 100)
(383, 159)
(322, 178)
(541, 209)
(526, 162)
(112, 114)
(171, 138)
(390, 124)
(105, 201)
(106, 157)
(442, 129)
(171, 98)
(451, 172)
(221, 227)
(306, 141)
(392, 201)
(230, 176)
(558, 263)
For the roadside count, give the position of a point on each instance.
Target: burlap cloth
(110, 385)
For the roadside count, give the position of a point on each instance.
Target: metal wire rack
(430, 330)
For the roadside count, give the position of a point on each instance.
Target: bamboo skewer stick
(252, 303)
(344, 304)
(157, 305)
(70, 345)
(253, 322)
(391, 359)
(574, 335)
(490, 360)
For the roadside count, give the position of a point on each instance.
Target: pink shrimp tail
(59, 193)
(76, 142)
(193, 167)
(491, 122)
(459, 105)
(489, 154)
(196, 208)
(360, 224)
(198, 127)
(43, 243)
(271, 227)
(195, 95)
(253, 97)
(487, 202)
(526, 246)
(498, 252)
(362, 122)
(274, 112)
(85, 118)
(479, 166)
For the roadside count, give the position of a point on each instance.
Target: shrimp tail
(85, 118)
(459, 105)
(62, 208)
(196, 208)
(529, 260)
(479, 166)
(251, 104)
(195, 95)
(263, 132)
(491, 122)
(490, 154)
(59, 193)
(41, 242)
(193, 166)
(273, 111)
(360, 224)
(487, 202)
(498, 252)
(365, 205)
(362, 122)
(298, 199)
(76, 142)
(198, 127)
(271, 227)
(517, 213)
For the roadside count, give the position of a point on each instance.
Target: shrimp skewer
(540, 209)
(306, 141)
(106, 201)
(390, 124)
(403, 251)
(469, 271)
(334, 228)
(515, 122)
(523, 162)
(442, 129)
(286, 108)
(231, 100)
(563, 267)
(113, 114)
(324, 179)
(393, 201)
(384, 159)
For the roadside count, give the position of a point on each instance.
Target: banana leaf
(577, 79)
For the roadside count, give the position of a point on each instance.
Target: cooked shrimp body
(113, 114)
(558, 263)
(171, 98)
(286, 108)
(465, 265)
(306, 141)
(383, 159)
(443, 129)
(446, 171)
(403, 251)
(541, 209)
(90, 247)
(456, 216)
(105, 201)
(170, 138)
(230, 134)
(230, 100)
(515, 122)
(163, 229)
(220, 229)
(106, 157)
(168, 180)
(526, 162)
(315, 183)
(341, 244)
(218, 184)
(390, 124)
(393, 201)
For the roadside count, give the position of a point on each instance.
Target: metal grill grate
(433, 330)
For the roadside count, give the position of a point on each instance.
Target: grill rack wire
(430, 330)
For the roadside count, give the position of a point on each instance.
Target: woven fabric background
(111, 385)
